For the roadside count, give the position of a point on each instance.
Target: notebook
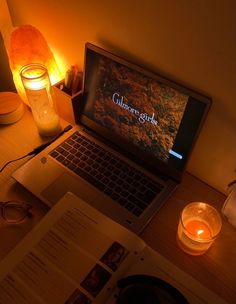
(129, 148)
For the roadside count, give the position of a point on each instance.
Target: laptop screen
(148, 116)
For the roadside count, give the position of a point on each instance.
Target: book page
(151, 263)
(74, 255)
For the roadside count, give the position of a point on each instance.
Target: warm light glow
(38, 90)
(34, 79)
(198, 229)
(61, 62)
(27, 45)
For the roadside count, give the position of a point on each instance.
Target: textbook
(77, 255)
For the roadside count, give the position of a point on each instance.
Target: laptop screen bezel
(129, 150)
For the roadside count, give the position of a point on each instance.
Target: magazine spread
(76, 255)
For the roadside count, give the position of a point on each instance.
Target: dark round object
(145, 289)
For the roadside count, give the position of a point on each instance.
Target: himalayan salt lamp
(27, 45)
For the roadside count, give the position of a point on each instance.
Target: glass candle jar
(199, 225)
(37, 87)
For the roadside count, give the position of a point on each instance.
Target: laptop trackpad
(65, 183)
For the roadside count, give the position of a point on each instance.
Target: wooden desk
(216, 269)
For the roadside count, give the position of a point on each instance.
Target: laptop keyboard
(107, 172)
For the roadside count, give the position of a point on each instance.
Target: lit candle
(198, 229)
(199, 225)
(38, 90)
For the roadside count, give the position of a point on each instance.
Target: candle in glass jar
(38, 90)
(198, 229)
(199, 225)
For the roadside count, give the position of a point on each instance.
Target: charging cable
(38, 149)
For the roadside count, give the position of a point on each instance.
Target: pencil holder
(64, 102)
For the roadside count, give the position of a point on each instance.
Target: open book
(76, 255)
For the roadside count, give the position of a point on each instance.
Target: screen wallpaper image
(143, 111)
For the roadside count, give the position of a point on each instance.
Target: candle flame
(200, 231)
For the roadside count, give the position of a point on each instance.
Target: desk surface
(216, 269)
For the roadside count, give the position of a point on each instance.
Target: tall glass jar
(37, 87)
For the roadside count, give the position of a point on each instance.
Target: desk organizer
(65, 102)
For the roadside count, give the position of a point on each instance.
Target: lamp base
(11, 107)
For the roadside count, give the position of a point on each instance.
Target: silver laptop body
(138, 119)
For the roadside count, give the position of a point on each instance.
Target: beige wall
(190, 41)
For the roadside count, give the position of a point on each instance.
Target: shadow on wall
(6, 80)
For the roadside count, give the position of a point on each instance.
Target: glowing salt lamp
(27, 45)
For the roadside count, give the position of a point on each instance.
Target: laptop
(128, 150)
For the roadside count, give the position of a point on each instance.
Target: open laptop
(127, 153)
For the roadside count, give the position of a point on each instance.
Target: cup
(199, 225)
(37, 87)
